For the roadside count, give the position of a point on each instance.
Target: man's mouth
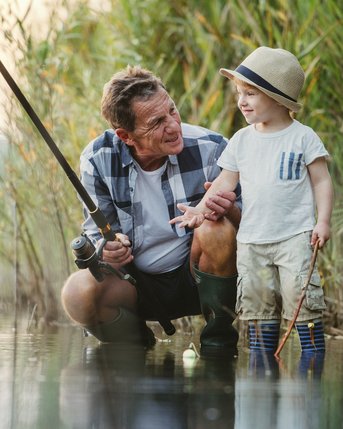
(172, 139)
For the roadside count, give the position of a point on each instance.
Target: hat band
(254, 77)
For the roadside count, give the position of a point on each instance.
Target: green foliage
(62, 71)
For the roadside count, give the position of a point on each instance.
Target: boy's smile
(261, 110)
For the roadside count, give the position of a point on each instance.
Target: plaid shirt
(109, 175)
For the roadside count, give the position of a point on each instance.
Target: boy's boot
(218, 300)
(264, 335)
(311, 335)
(262, 363)
(311, 365)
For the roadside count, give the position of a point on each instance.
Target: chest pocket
(291, 166)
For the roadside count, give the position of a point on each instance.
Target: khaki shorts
(272, 277)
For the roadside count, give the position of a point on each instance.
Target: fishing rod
(87, 256)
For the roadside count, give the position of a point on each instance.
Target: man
(137, 173)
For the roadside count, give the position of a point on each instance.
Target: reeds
(62, 72)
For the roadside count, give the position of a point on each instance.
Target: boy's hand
(192, 217)
(321, 233)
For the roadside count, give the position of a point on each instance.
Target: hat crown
(278, 67)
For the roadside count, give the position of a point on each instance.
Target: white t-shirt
(161, 250)
(278, 201)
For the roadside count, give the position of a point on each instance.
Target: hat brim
(291, 105)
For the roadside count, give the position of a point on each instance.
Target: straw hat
(276, 72)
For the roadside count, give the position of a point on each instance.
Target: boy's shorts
(174, 293)
(272, 277)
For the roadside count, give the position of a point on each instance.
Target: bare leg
(107, 309)
(88, 302)
(214, 248)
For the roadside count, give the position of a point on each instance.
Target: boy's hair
(237, 81)
(247, 85)
(125, 87)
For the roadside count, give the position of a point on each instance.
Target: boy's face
(255, 105)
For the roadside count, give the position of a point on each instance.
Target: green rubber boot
(126, 328)
(218, 300)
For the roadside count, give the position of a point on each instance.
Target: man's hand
(118, 253)
(192, 217)
(220, 204)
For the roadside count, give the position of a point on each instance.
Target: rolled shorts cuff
(305, 317)
(260, 317)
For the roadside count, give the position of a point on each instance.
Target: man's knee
(79, 297)
(214, 247)
(221, 231)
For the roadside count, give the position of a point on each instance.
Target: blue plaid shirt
(109, 175)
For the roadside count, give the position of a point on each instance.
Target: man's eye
(156, 123)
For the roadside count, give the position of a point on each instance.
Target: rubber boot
(262, 363)
(126, 328)
(311, 365)
(264, 335)
(217, 299)
(311, 335)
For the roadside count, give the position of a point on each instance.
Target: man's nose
(172, 124)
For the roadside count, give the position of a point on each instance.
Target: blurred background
(61, 52)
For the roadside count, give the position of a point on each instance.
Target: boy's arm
(194, 216)
(323, 194)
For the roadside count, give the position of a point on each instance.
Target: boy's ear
(124, 136)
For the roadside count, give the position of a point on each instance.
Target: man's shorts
(174, 293)
(272, 277)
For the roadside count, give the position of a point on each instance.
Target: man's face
(157, 130)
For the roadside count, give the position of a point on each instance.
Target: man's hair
(128, 85)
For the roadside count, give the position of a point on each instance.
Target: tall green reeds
(62, 72)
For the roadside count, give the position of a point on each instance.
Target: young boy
(282, 169)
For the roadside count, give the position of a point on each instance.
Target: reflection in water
(123, 388)
(273, 397)
(64, 381)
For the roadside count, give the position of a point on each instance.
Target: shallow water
(59, 379)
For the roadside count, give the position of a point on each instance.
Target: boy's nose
(242, 101)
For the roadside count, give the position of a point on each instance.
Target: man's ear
(124, 136)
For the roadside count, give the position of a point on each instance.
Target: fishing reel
(89, 256)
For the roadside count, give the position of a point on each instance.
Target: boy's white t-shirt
(277, 195)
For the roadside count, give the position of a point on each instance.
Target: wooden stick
(291, 325)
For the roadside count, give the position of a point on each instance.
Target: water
(59, 379)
